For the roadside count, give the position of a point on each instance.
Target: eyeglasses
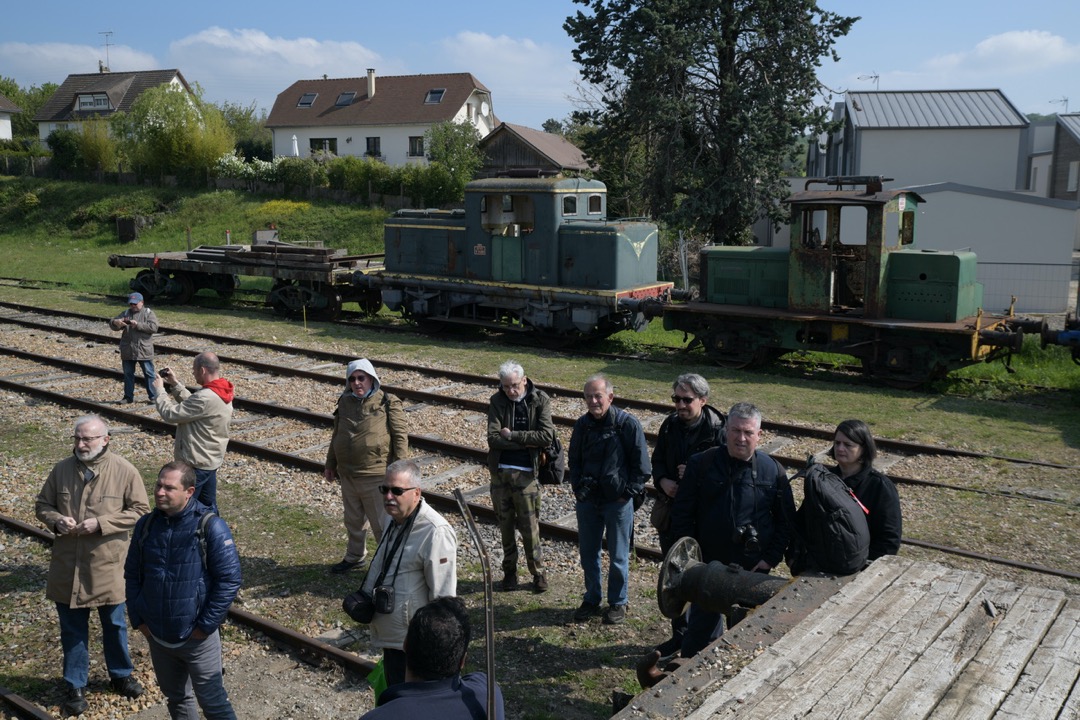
(398, 491)
(86, 438)
(680, 400)
(358, 378)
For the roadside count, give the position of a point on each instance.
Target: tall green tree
(455, 147)
(707, 97)
(29, 100)
(169, 131)
(248, 124)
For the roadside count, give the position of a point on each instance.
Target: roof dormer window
(94, 101)
(307, 100)
(345, 99)
(434, 96)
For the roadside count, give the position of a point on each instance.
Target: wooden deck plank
(1054, 670)
(875, 625)
(780, 660)
(920, 689)
(985, 681)
(860, 689)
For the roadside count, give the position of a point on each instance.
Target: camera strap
(405, 530)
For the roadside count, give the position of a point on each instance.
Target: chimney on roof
(370, 82)
(101, 68)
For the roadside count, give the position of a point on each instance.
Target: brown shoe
(509, 582)
(540, 583)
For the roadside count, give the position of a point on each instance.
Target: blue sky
(247, 52)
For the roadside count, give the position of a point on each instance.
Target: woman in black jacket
(854, 451)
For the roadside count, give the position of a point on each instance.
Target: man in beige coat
(202, 421)
(369, 434)
(91, 501)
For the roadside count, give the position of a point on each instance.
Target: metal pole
(489, 602)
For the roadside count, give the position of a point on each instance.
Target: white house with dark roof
(378, 117)
(7, 109)
(89, 95)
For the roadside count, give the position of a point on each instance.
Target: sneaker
(539, 583)
(614, 614)
(586, 611)
(509, 582)
(74, 701)
(128, 686)
(127, 401)
(346, 566)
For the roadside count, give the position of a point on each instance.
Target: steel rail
(460, 451)
(900, 446)
(23, 708)
(268, 627)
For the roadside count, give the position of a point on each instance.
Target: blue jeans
(129, 377)
(702, 627)
(206, 488)
(189, 672)
(75, 634)
(617, 519)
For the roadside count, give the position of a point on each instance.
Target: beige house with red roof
(101, 94)
(378, 117)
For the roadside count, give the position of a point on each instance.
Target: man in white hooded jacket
(369, 434)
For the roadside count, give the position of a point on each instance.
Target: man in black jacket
(735, 500)
(693, 426)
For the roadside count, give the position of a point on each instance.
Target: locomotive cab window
(569, 205)
(596, 204)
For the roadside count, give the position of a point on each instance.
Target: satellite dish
(484, 109)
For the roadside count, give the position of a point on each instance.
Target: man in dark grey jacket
(519, 428)
(608, 465)
(137, 326)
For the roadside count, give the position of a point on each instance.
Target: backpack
(200, 535)
(831, 531)
(552, 464)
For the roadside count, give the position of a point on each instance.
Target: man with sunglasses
(137, 326)
(693, 426)
(369, 434)
(91, 500)
(416, 562)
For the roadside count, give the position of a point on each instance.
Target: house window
(416, 146)
(569, 205)
(323, 145)
(596, 205)
(345, 99)
(1074, 176)
(374, 147)
(434, 96)
(307, 100)
(97, 101)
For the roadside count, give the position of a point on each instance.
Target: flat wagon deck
(902, 639)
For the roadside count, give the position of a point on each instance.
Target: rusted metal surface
(22, 708)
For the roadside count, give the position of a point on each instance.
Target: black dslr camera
(384, 599)
(585, 488)
(746, 536)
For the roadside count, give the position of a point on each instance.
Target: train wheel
(332, 311)
(149, 283)
(370, 301)
(181, 288)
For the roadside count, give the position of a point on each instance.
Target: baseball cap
(135, 298)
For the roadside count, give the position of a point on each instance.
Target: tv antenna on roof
(107, 34)
(1062, 101)
(873, 76)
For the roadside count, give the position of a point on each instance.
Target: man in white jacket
(416, 562)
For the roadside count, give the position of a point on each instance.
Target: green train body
(852, 282)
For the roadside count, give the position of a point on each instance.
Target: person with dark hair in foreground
(854, 451)
(436, 646)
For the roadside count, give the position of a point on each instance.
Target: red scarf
(222, 387)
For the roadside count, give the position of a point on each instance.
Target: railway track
(453, 393)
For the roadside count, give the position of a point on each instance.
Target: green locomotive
(851, 282)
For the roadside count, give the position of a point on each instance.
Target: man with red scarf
(202, 421)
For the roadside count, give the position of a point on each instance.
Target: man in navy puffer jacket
(178, 593)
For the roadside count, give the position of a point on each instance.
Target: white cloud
(529, 81)
(53, 62)
(247, 65)
(1013, 53)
